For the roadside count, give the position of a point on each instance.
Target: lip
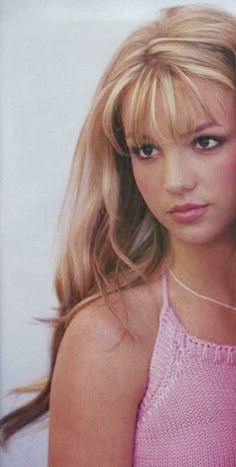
(185, 207)
(187, 212)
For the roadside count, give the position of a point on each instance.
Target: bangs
(157, 93)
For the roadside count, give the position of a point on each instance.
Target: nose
(179, 174)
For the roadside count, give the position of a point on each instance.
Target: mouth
(186, 207)
(187, 212)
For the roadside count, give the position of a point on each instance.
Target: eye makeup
(145, 151)
(208, 142)
(201, 143)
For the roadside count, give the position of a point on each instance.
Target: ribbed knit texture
(187, 417)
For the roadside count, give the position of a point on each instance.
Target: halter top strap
(165, 291)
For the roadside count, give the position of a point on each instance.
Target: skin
(193, 170)
(196, 170)
(101, 372)
(99, 380)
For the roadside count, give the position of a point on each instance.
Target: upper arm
(95, 394)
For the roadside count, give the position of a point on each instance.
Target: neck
(208, 269)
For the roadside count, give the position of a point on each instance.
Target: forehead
(212, 104)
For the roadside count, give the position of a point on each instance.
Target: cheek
(224, 177)
(147, 180)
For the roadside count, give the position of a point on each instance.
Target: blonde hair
(109, 240)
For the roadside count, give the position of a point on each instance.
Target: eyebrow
(201, 127)
(204, 126)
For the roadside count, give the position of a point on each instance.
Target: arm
(96, 390)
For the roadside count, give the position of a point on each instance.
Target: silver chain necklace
(204, 297)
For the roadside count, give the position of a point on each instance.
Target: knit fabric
(187, 417)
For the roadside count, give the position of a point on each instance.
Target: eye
(146, 151)
(207, 142)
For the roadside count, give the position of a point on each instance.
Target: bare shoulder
(99, 380)
(119, 324)
(97, 336)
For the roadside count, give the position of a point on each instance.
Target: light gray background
(52, 55)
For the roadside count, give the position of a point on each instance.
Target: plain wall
(52, 56)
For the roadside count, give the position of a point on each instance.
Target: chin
(202, 236)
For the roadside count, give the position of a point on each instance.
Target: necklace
(198, 294)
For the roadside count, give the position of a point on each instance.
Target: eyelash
(216, 139)
(138, 149)
(150, 147)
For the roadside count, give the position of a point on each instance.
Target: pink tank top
(187, 417)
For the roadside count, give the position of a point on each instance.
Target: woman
(143, 367)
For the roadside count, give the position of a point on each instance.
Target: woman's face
(190, 185)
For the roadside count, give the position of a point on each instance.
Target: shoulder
(105, 336)
(100, 376)
(97, 341)
(121, 318)
(120, 332)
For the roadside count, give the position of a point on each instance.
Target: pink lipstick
(187, 212)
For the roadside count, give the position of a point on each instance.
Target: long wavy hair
(108, 239)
